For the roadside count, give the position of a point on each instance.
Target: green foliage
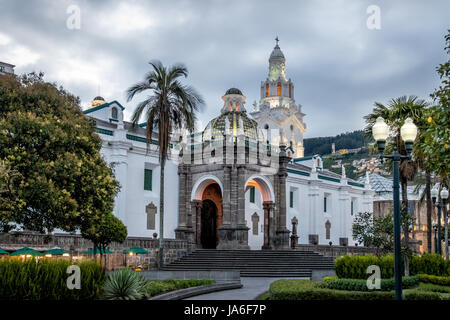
(354, 267)
(295, 289)
(154, 288)
(361, 285)
(124, 284)
(431, 264)
(46, 280)
(434, 287)
(322, 145)
(104, 230)
(436, 134)
(376, 232)
(443, 281)
(62, 181)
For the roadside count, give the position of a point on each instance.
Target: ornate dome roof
(233, 91)
(216, 127)
(98, 101)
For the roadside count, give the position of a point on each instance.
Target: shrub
(154, 288)
(354, 267)
(433, 288)
(361, 285)
(295, 289)
(430, 263)
(47, 280)
(426, 278)
(124, 284)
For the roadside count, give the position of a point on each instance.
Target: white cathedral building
(250, 198)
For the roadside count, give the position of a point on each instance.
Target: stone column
(241, 228)
(185, 229)
(314, 211)
(197, 211)
(282, 233)
(268, 213)
(225, 230)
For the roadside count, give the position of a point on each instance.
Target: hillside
(351, 151)
(322, 145)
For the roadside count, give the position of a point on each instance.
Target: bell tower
(277, 109)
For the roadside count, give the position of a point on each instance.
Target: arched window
(114, 113)
(266, 127)
(279, 89)
(290, 90)
(231, 106)
(267, 89)
(237, 105)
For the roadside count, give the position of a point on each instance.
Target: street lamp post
(408, 132)
(444, 197)
(438, 205)
(435, 238)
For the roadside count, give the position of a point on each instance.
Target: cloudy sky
(339, 65)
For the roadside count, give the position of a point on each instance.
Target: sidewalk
(252, 288)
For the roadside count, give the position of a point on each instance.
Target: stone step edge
(196, 291)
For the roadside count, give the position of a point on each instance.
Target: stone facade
(173, 249)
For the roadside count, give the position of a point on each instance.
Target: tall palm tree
(395, 113)
(170, 105)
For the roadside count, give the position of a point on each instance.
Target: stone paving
(252, 288)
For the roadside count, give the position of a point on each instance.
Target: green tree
(395, 114)
(437, 134)
(169, 106)
(104, 230)
(374, 232)
(62, 181)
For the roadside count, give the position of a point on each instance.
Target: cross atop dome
(276, 39)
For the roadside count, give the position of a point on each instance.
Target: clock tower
(277, 109)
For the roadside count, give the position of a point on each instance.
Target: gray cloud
(339, 66)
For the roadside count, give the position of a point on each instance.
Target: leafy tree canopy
(56, 176)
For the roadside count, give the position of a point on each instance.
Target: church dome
(216, 127)
(98, 101)
(233, 91)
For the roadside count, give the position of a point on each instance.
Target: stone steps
(254, 263)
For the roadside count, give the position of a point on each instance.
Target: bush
(47, 280)
(295, 289)
(354, 267)
(124, 284)
(433, 288)
(430, 263)
(154, 288)
(361, 285)
(442, 281)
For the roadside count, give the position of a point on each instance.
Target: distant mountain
(322, 145)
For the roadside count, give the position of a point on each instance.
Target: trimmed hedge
(354, 267)
(361, 285)
(47, 280)
(442, 281)
(296, 289)
(154, 288)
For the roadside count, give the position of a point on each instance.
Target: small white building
(247, 198)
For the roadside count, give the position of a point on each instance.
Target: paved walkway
(252, 288)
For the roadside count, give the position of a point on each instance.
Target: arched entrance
(263, 185)
(208, 235)
(207, 199)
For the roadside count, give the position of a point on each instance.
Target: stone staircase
(254, 263)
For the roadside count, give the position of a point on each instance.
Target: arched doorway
(264, 204)
(207, 198)
(208, 235)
